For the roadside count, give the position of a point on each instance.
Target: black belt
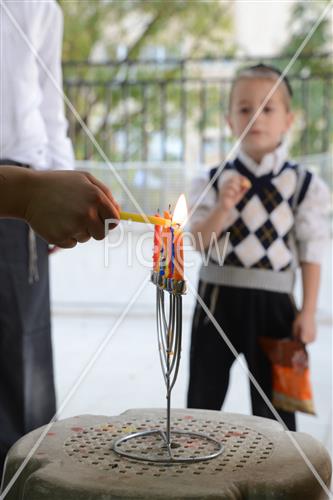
(13, 163)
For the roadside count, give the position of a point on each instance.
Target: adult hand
(232, 191)
(304, 327)
(66, 207)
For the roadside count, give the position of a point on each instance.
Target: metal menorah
(166, 445)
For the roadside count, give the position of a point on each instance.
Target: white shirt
(33, 128)
(311, 223)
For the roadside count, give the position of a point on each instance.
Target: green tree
(185, 28)
(311, 76)
(116, 99)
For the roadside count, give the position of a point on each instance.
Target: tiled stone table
(75, 461)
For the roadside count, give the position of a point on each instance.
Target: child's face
(272, 123)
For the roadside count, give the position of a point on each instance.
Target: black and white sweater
(281, 220)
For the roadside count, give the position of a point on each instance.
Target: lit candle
(166, 236)
(157, 246)
(179, 217)
(172, 253)
(179, 255)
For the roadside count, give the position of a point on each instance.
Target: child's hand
(304, 327)
(232, 191)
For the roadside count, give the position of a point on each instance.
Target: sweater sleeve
(312, 222)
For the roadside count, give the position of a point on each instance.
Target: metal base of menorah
(153, 446)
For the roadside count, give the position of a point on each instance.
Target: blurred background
(150, 81)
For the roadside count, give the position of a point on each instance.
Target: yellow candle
(147, 219)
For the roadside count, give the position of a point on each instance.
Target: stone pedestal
(75, 461)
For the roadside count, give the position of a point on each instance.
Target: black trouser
(27, 396)
(244, 315)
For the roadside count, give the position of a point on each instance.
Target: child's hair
(265, 72)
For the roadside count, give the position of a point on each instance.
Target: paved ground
(88, 300)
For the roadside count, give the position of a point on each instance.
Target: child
(275, 212)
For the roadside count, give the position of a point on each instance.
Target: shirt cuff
(311, 251)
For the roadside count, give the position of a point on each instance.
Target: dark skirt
(244, 315)
(27, 395)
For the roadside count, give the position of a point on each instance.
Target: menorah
(165, 445)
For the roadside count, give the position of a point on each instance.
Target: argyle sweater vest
(259, 232)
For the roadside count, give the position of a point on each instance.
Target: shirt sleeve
(50, 78)
(202, 199)
(312, 227)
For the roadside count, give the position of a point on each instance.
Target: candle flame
(180, 213)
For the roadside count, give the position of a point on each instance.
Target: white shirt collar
(271, 162)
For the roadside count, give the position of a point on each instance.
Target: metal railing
(175, 111)
(155, 185)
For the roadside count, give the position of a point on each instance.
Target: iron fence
(175, 111)
(158, 184)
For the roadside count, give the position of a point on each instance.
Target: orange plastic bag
(291, 375)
